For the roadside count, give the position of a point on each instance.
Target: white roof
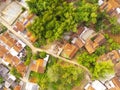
(46, 58)
(100, 2)
(13, 52)
(12, 77)
(23, 44)
(7, 85)
(74, 40)
(97, 84)
(86, 87)
(118, 10)
(6, 63)
(31, 86)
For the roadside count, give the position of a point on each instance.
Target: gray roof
(3, 70)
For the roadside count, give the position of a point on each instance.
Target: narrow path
(34, 49)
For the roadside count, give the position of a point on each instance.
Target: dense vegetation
(57, 16)
(59, 76)
(54, 17)
(98, 69)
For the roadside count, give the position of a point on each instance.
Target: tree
(98, 69)
(103, 68)
(64, 77)
(53, 19)
(42, 54)
(15, 73)
(87, 12)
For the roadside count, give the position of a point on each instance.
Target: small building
(8, 58)
(10, 80)
(31, 37)
(112, 7)
(94, 42)
(117, 69)
(31, 86)
(19, 26)
(78, 42)
(21, 68)
(90, 46)
(69, 51)
(95, 85)
(39, 65)
(86, 34)
(16, 61)
(99, 38)
(3, 70)
(17, 87)
(113, 84)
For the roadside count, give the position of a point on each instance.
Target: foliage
(42, 54)
(2, 28)
(29, 55)
(87, 12)
(101, 50)
(102, 69)
(54, 18)
(15, 73)
(106, 22)
(59, 76)
(1, 80)
(64, 77)
(98, 69)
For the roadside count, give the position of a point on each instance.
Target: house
(7, 39)
(78, 42)
(117, 69)
(69, 51)
(17, 47)
(114, 56)
(16, 61)
(17, 87)
(57, 48)
(21, 68)
(3, 70)
(116, 82)
(19, 26)
(95, 85)
(94, 42)
(99, 38)
(80, 30)
(113, 84)
(112, 7)
(90, 46)
(86, 34)
(109, 5)
(11, 42)
(31, 37)
(8, 58)
(10, 80)
(3, 51)
(31, 86)
(38, 66)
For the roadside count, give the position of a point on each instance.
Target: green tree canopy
(54, 18)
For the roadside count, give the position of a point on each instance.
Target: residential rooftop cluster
(12, 49)
(85, 37)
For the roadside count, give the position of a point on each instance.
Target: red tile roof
(69, 51)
